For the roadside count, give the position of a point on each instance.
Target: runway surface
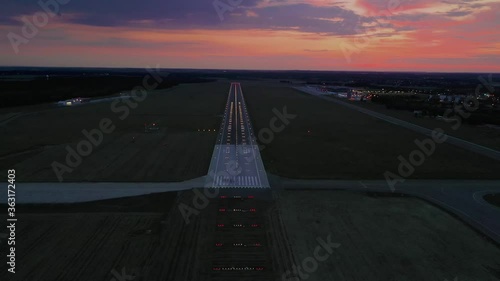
(236, 160)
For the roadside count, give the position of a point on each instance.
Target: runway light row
(206, 130)
(238, 225)
(236, 197)
(232, 268)
(240, 245)
(237, 210)
(246, 245)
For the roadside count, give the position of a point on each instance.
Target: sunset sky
(387, 35)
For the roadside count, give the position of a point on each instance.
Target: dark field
(150, 203)
(480, 134)
(35, 89)
(385, 238)
(37, 136)
(326, 140)
(493, 199)
(87, 241)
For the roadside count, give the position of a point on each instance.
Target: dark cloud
(458, 13)
(301, 17)
(120, 12)
(179, 14)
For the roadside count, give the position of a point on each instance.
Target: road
(236, 160)
(75, 192)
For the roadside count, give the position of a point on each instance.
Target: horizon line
(249, 69)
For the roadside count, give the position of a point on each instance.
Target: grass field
(87, 241)
(493, 199)
(327, 140)
(483, 135)
(385, 238)
(179, 151)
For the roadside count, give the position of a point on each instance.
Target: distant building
(71, 102)
(151, 127)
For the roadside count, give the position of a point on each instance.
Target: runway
(236, 160)
(237, 171)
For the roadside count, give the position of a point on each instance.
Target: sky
(366, 35)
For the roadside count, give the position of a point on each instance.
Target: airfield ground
(479, 134)
(326, 140)
(385, 238)
(86, 241)
(31, 143)
(381, 238)
(493, 199)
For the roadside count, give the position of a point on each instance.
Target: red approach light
(222, 210)
(220, 225)
(253, 210)
(216, 268)
(223, 197)
(218, 244)
(254, 225)
(257, 244)
(259, 268)
(251, 196)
